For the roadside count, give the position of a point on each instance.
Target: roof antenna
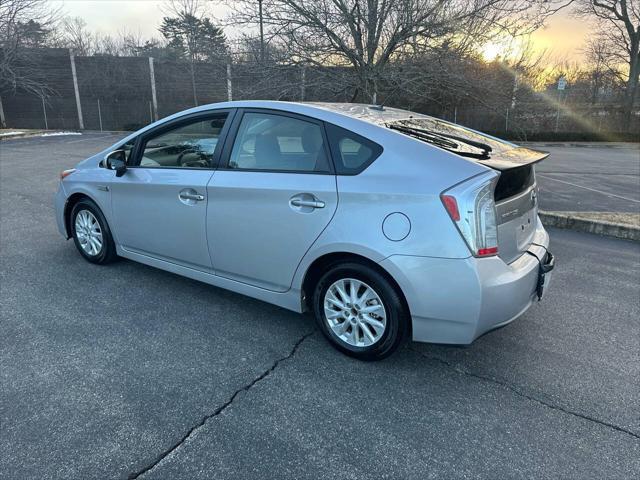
(379, 107)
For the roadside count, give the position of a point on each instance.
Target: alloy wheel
(88, 232)
(355, 312)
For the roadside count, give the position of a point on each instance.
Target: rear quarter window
(352, 153)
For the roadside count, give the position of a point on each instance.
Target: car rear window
(352, 153)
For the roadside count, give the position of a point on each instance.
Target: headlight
(66, 173)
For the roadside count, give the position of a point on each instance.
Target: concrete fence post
(99, 115)
(76, 89)
(154, 98)
(229, 84)
(3, 120)
(44, 112)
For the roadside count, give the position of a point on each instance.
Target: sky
(562, 38)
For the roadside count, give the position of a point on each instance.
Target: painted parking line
(609, 174)
(590, 189)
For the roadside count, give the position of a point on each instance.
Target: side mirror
(116, 161)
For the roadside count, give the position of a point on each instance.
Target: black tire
(397, 316)
(107, 253)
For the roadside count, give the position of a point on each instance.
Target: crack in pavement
(520, 393)
(220, 409)
(293, 351)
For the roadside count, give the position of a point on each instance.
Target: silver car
(387, 224)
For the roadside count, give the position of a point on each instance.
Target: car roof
(375, 114)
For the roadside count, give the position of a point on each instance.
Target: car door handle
(192, 196)
(297, 202)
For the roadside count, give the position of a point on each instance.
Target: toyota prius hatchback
(388, 225)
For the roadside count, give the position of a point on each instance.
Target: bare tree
(598, 66)
(75, 35)
(17, 68)
(368, 35)
(618, 36)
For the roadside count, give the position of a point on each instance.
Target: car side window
(190, 145)
(274, 142)
(352, 153)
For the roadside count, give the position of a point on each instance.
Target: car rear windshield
(450, 136)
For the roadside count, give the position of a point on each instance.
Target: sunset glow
(562, 37)
(508, 48)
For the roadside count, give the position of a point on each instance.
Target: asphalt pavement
(588, 177)
(127, 371)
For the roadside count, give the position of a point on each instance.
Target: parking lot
(126, 371)
(587, 177)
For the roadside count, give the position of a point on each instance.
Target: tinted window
(190, 145)
(275, 142)
(351, 152)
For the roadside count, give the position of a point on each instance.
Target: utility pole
(261, 31)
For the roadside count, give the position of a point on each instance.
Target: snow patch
(59, 134)
(8, 134)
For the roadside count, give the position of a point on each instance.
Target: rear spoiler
(513, 158)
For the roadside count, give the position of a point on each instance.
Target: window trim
(235, 127)
(140, 141)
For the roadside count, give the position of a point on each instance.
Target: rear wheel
(360, 312)
(91, 233)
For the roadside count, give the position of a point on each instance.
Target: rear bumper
(456, 300)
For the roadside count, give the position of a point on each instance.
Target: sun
(505, 48)
(491, 51)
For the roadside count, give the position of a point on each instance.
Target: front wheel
(91, 233)
(360, 312)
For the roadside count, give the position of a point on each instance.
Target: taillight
(472, 208)
(452, 207)
(66, 173)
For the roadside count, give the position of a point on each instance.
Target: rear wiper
(473, 143)
(436, 139)
(443, 140)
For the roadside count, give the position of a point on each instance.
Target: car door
(160, 203)
(273, 195)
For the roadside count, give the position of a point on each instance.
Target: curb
(599, 227)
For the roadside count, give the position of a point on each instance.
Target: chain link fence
(126, 93)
